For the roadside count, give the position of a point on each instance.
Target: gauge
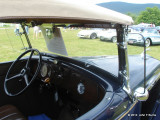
(44, 70)
(49, 71)
(80, 88)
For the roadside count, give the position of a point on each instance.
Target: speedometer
(44, 70)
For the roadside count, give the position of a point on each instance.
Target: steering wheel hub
(23, 72)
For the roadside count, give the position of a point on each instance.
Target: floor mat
(39, 117)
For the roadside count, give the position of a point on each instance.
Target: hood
(136, 67)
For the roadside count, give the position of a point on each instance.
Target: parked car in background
(135, 29)
(151, 37)
(140, 27)
(89, 33)
(146, 25)
(108, 35)
(50, 85)
(158, 28)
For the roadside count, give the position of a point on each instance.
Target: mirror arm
(25, 33)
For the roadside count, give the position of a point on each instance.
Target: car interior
(55, 86)
(60, 88)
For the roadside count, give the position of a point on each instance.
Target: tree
(134, 16)
(150, 15)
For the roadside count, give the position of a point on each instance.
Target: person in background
(17, 29)
(27, 30)
(37, 32)
(153, 25)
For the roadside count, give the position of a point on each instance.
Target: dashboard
(71, 81)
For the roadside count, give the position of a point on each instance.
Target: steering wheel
(23, 76)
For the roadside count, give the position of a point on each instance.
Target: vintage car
(150, 35)
(39, 85)
(135, 29)
(158, 28)
(108, 35)
(90, 33)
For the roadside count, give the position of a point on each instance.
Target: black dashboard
(71, 81)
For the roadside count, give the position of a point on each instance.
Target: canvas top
(58, 11)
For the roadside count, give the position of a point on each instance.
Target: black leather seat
(10, 112)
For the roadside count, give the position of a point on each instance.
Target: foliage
(150, 15)
(124, 7)
(134, 16)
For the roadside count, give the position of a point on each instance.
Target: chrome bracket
(126, 86)
(141, 94)
(123, 60)
(122, 45)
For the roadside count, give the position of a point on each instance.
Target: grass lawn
(11, 45)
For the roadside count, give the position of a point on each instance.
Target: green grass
(11, 45)
(86, 47)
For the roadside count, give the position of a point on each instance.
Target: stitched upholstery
(9, 112)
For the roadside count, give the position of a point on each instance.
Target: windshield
(14, 42)
(77, 44)
(152, 31)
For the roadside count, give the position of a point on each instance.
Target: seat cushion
(10, 112)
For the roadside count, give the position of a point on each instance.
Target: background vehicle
(90, 33)
(108, 35)
(158, 28)
(151, 36)
(135, 29)
(140, 27)
(145, 25)
(53, 85)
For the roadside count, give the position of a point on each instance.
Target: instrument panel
(45, 70)
(49, 71)
(70, 81)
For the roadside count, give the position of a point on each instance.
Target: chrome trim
(127, 111)
(126, 86)
(127, 80)
(150, 83)
(123, 45)
(141, 94)
(123, 59)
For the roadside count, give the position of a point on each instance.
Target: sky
(129, 1)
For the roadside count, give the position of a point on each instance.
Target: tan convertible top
(57, 11)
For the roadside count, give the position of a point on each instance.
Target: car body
(151, 36)
(145, 25)
(158, 28)
(90, 33)
(140, 27)
(135, 29)
(83, 88)
(108, 35)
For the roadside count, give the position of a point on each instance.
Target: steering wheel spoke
(13, 77)
(28, 61)
(26, 79)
